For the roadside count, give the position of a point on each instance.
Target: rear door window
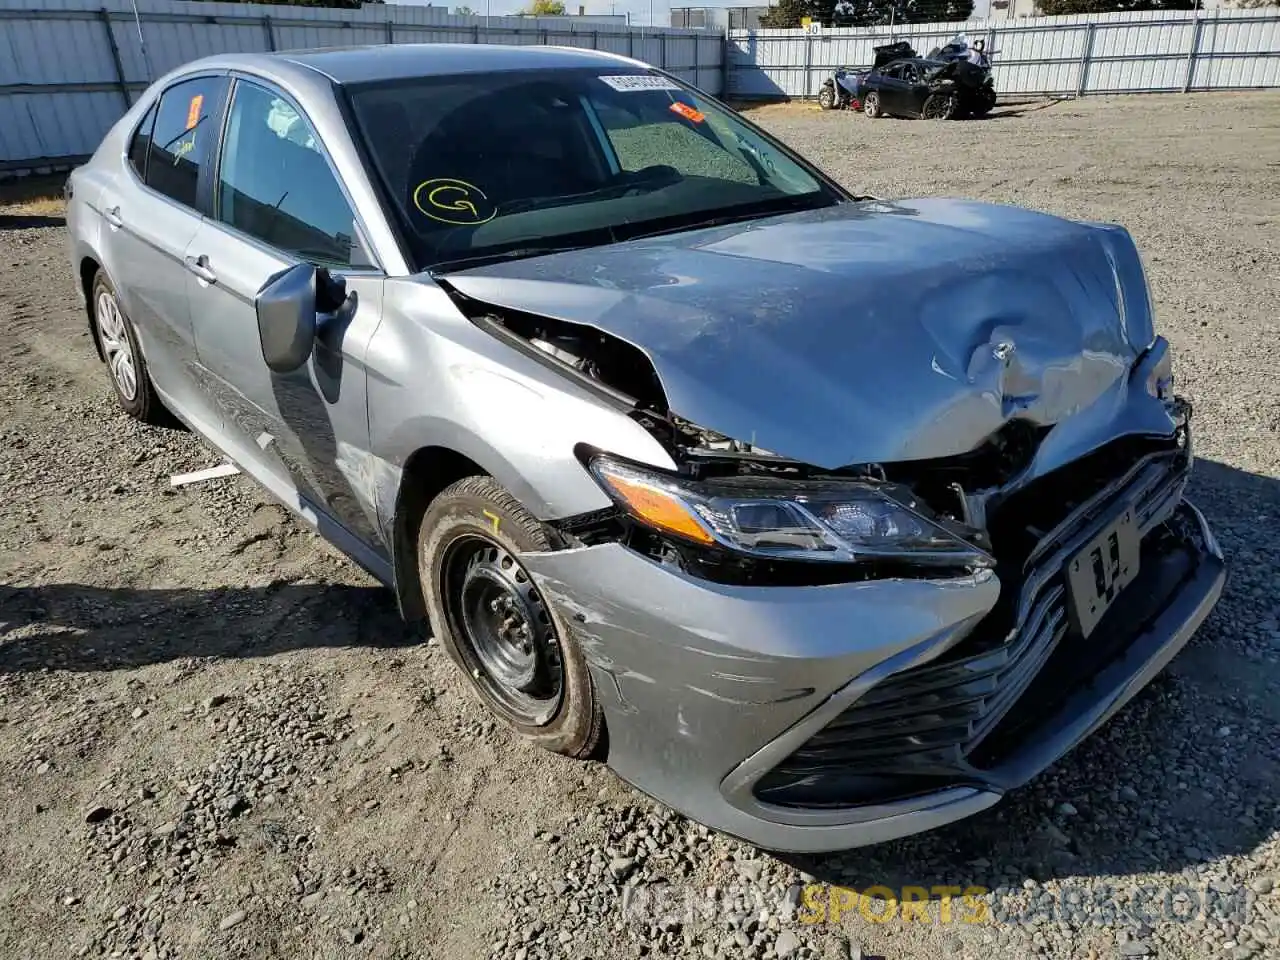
(185, 130)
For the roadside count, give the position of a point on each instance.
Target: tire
(467, 535)
(939, 106)
(871, 105)
(827, 97)
(126, 367)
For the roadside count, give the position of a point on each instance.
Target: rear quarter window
(140, 145)
(183, 136)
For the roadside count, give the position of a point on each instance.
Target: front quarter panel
(438, 380)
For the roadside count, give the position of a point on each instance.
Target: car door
(914, 90)
(151, 216)
(888, 85)
(277, 201)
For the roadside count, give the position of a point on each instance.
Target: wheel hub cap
(115, 345)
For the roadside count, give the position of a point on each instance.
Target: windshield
(481, 165)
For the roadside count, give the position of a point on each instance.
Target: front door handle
(112, 216)
(200, 267)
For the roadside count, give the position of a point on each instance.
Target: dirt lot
(219, 741)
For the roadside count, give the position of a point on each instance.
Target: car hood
(864, 332)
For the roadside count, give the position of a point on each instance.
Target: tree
(866, 13)
(1252, 4)
(875, 13)
(789, 13)
(464, 11)
(1055, 8)
(544, 8)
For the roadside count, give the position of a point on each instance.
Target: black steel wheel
(513, 646)
(503, 627)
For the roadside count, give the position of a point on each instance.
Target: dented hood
(858, 333)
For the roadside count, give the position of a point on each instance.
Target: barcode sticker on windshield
(630, 83)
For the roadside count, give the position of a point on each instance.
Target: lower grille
(919, 729)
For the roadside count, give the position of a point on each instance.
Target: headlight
(834, 521)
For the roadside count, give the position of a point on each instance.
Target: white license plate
(1104, 567)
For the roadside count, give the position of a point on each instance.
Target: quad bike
(840, 90)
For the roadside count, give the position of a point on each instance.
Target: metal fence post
(725, 64)
(1196, 32)
(595, 39)
(662, 51)
(271, 35)
(475, 33)
(808, 62)
(390, 28)
(1086, 51)
(105, 16)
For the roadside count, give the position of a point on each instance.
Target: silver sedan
(824, 519)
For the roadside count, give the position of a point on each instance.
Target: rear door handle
(200, 267)
(112, 216)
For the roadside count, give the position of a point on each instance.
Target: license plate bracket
(1101, 569)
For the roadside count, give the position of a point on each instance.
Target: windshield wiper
(482, 259)
(607, 192)
(771, 208)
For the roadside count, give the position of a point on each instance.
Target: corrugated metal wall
(1099, 53)
(69, 67)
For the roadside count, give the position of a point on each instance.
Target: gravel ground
(219, 741)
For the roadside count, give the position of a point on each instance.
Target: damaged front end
(731, 512)
(815, 653)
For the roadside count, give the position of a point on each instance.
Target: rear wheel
(125, 365)
(871, 105)
(827, 97)
(495, 623)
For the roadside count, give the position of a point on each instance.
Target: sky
(639, 9)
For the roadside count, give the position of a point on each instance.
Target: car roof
(374, 62)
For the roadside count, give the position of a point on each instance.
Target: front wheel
(939, 106)
(496, 624)
(984, 103)
(827, 97)
(871, 105)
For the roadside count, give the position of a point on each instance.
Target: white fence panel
(76, 64)
(1150, 51)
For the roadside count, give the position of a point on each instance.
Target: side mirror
(287, 322)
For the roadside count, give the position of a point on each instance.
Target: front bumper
(707, 687)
